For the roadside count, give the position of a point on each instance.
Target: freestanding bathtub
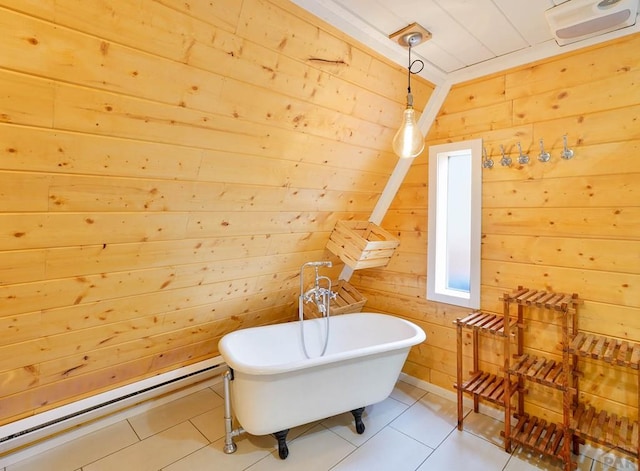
(274, 387)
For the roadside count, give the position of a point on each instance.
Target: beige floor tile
(615, 463)
(218, 388)
(407, 393)
(430, 420)
(627, 464)
(211, 423)
(250, 450)
(388, 450)
(463, 450)
(81, 451)
(317, 450)
(175, 412)
(607, 459)
(155, 452)
(527, 460)
(375, 418)
(485, 427)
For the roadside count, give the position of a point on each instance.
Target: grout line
(134, 429)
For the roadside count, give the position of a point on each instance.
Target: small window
(455, 196)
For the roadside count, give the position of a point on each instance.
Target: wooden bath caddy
(362, 244)
(347, 300)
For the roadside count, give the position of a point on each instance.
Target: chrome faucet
(320, 295)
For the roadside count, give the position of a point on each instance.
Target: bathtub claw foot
(357, 415)
(283, 450)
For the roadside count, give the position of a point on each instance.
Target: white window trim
(435, 281)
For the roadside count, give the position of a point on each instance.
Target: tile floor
(412, 430)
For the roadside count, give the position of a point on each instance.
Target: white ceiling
(470, 37)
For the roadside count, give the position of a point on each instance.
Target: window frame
(436, 272)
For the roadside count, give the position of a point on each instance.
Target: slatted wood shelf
(485, 322)
(605, 429)
(536, 434)
(613, 351)
(543, 299)
(487, 386)
(541, 370)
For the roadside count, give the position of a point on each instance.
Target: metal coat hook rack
(523, 159)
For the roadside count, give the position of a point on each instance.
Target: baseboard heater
(27, 431)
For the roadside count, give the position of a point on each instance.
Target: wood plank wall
(569, 226)
(165, 169)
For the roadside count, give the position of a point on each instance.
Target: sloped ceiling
(470, 37)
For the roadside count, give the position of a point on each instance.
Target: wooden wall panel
(165, 169)
(567, 225)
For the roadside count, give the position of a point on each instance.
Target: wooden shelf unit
(580, 421)
(481, 385)
(555, 440)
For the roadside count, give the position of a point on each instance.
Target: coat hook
(505, 161)
(486, 161)
(544, 156)
(523, 159)
(566, 152)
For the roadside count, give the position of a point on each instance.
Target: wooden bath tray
(348, 300)
(362, 244)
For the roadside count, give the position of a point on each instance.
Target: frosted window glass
(458, 221)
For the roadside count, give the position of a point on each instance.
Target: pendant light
(409, 140)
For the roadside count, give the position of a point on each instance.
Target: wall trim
(36, 434)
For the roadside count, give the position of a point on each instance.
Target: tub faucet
(320, 295)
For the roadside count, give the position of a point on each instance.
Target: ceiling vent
(575, 20)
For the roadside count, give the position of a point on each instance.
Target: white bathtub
(275, 387)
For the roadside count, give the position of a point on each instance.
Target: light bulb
(408, 141)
